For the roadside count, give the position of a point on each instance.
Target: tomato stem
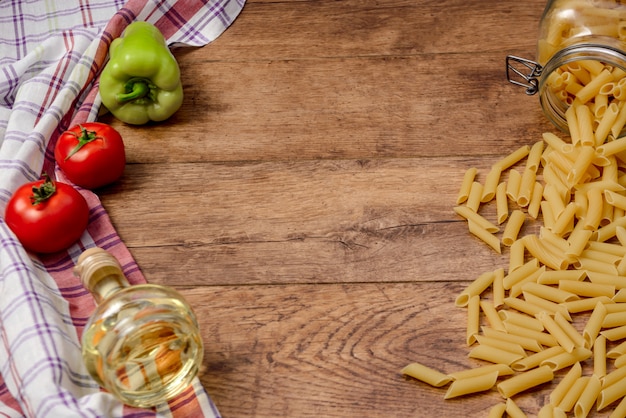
(43, 192)
(84, 138)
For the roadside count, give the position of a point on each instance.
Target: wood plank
(378, 220)
(301, 29)
(336, 350)
(342, 108)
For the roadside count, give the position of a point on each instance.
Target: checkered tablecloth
(51, 53)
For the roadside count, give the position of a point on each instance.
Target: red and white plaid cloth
(51, 53)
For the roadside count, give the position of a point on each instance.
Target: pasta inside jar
(581, 49)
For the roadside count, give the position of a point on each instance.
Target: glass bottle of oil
(142, 343)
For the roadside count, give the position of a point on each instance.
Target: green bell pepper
(141, 81)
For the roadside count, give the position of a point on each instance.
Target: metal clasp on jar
(518, 69)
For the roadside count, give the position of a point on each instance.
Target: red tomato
(47, 216)
(91, 154)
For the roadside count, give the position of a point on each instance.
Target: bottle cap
(94, 264)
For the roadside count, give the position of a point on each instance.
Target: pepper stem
(135, 88)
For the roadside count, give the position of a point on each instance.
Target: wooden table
(302, 198)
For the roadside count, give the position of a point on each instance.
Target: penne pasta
(593, 214)
(513, 317)
(485, 236)
(535, 201)
(535, 359)
(586, 304)
(513, 158)
(497, 411)
(473, 319)
(476, 287)
(611, 393)
(515, 276)
(606, 123)
(587, 289)
(512, 410)
(565, 219)
(590, 90)
(565, 385)
(612, 147)
(502, 369)
(516, 255)
(426, 374)
(615, 199)
(582, 203)
(548, 213)
(608, 248)
(620, 296)
(573, 86)
(601, 256)
(599, 356)
(542, 338)
(497, 287)
(517, 288)
(501, 344)
(474, 384)
(620, 410)
(554, 199)
(619, 123)
(620, 361)
(475, 195)
(526, 187)
(546, 305)
(549, 293)
(614, 334)
(543, 253)
(549, 277)
(563, 360)
(614, 319)
(620, 233)
(524, 381)
(581, 165)
(607, 232)
(585, 124)
(553, 142)
(474, 217)
(528, 343)
(513, 184)
(569, 329)
(533, 160)
(513, 227)
(491, 314)
(617, 281)
(494, 355)
(594, 324)
(502, 203)
(556, 331)
(522, 306)
(588, 397)
(570, 398)
(617, 351)
(491, 183)
(594, 265)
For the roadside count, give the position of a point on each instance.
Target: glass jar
(580, 59)
(142, 342)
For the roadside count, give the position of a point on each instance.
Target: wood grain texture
(302, 198)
